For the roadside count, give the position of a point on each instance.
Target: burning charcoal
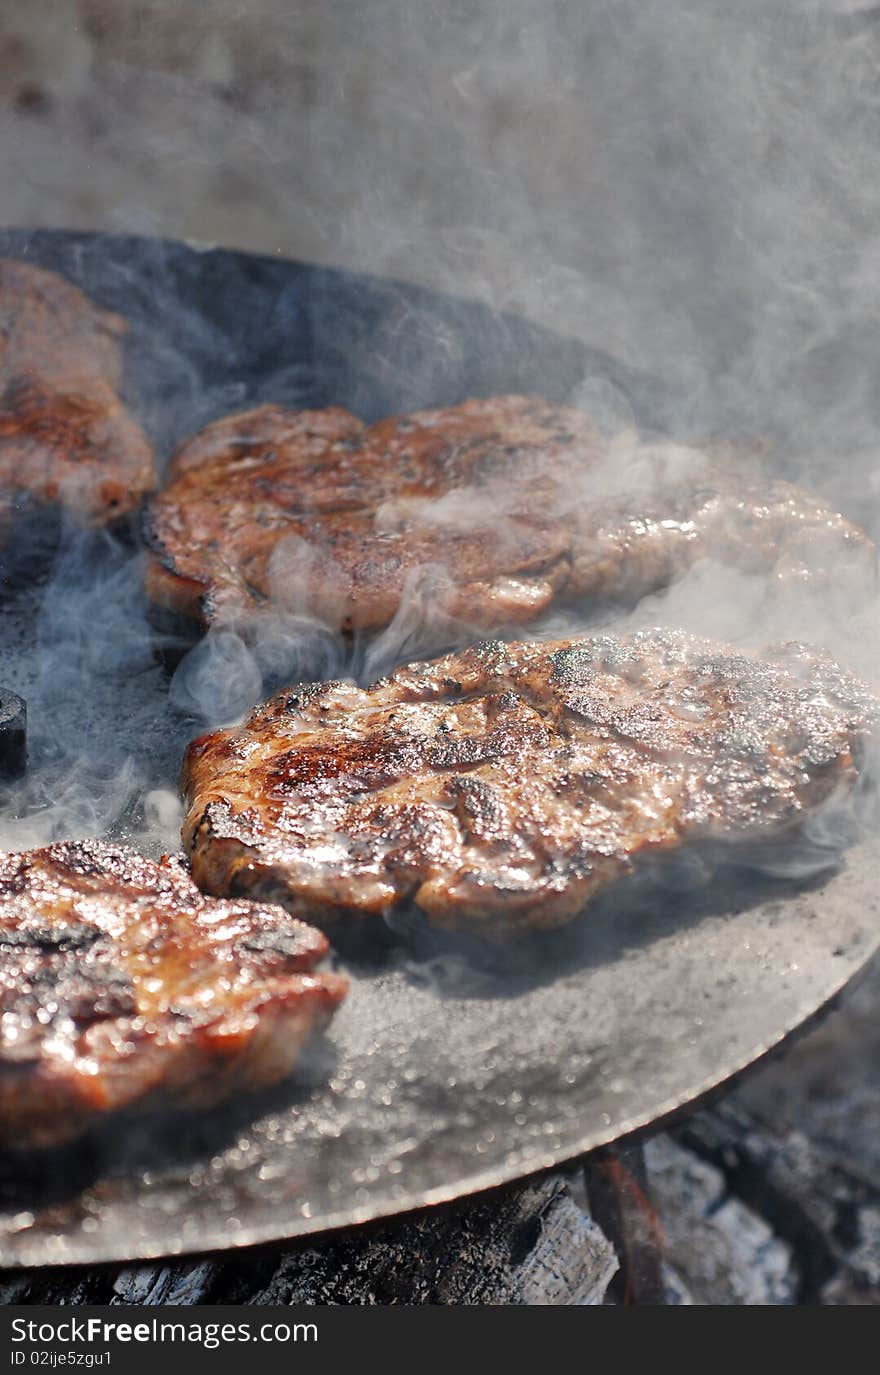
(13, 734)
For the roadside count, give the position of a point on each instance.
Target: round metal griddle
(448, 1070)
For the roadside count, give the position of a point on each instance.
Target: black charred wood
(13, 735)
(529, 1244)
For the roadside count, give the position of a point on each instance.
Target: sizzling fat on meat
(513, 503)
(502, 787)
(121, 986)
(66, 438)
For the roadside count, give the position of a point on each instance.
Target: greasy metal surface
(434, 1094)
(446, 1071)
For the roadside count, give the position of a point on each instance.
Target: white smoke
(81, 651)
(689, 187)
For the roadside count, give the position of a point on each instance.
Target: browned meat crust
(66, 438)
(515, 501)
(121, 986)
(504, 786)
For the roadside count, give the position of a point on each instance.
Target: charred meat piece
(509, 504)
(66, 438)
(503, 787)
(229, 509)
(121, 987)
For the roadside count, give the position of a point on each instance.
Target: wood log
(529, 1244)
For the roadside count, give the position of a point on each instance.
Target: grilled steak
(232, 497)
(504, 786)
(66, 438)
(121, 986)
(513, 503)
